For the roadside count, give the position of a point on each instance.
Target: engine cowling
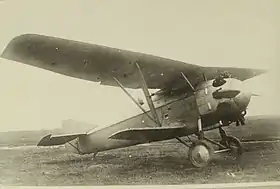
(225, 99)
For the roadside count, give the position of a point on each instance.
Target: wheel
(200, 153)
(235, 146)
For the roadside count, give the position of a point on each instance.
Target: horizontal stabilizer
(52, 140)
(150, 134)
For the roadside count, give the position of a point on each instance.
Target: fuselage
(213, 104)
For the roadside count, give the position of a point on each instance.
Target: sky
(207, 33)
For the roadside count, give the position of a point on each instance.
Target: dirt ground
(156, 163)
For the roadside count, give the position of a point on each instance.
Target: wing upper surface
(100, 64)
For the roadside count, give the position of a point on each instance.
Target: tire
(200, 153)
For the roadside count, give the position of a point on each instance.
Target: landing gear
(201, 151)
(234, 145)
(230, 143)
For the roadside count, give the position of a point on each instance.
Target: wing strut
(128, 94)
(189, 83)
(199, 122)
(148, 97)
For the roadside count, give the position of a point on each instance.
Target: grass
(158, 163)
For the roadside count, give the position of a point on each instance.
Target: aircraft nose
(237, 91)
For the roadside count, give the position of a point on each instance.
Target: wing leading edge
(101, 64)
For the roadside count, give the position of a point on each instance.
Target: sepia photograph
(140, 93)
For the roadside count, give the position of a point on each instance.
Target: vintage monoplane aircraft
(189, 100)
